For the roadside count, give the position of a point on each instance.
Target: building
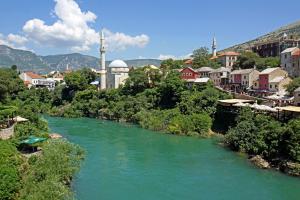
(34, 80)
(295, 64)
(275, 47)
(220, 76)
(273, 80)
(189, 73)
(204, 71)
(243, 79)
(286, 59)
(56, 76)
(297, 97)
(117, 74)
(227, 59)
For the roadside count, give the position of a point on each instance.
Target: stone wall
(7, 133)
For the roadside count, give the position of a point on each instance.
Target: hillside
(26, 60)
(10, 56)
(291, 30)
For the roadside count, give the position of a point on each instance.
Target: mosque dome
(118, 64)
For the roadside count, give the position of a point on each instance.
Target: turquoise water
(130, 163)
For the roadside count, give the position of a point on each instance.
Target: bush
(10, 162)
(49, 175)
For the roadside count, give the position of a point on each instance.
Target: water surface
(129, 163)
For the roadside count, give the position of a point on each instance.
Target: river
(126, 162)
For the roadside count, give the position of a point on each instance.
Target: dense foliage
(249, 59)
(10, 163)
(45, 176)
(201, 58)
(265, 136)
(49, 175)
(292, 86)
(149, 97)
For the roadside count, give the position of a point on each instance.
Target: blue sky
(147, 29)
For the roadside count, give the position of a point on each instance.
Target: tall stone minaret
(214, 47)
(102, 62)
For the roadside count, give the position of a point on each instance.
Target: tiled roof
(242, 71)
(188, 62)
(33, 75)
(296, 53)
(268, 70)
(221, 69)
(290, 50)
(229, 53)
(277, 79)
(204, 69)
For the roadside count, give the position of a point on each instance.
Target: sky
(138, 28)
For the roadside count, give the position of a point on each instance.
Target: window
(271, 86)
(275, 86)
(285, 56)
(255, 84)
(244, 77)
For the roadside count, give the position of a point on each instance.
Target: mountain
(10, 56)
(290, 30)
(29, 61)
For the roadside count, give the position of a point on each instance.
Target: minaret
(214, 47)
(102, 62)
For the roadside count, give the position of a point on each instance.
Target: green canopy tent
(32, 141)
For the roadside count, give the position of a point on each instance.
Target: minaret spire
(102, 62)
(214, 47)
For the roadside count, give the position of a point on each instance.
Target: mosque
(116, 73)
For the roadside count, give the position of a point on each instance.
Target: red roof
(33, 75)
(214, 57)
(188, 62)
(229, 53)
(296, 53)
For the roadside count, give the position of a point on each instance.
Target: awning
(33, 140)
(20, 119)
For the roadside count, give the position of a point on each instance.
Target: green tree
(292, 86)
(170, 90)
(137, 82)
(201, 58)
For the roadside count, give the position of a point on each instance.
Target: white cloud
(73, 30)
(165, 57)
(17, 39)
(14, 41)
(121, 41)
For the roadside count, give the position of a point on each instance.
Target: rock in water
(260, 162)
(291, 168)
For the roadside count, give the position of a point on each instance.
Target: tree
(247, 60)
(201, 58)
(170, 64)
(292, 86)
(14, 67)
(170, 90)
(137, 82)
(10, 84)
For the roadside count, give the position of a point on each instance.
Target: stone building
(243, 79)
(287, 60)
(117, 74)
